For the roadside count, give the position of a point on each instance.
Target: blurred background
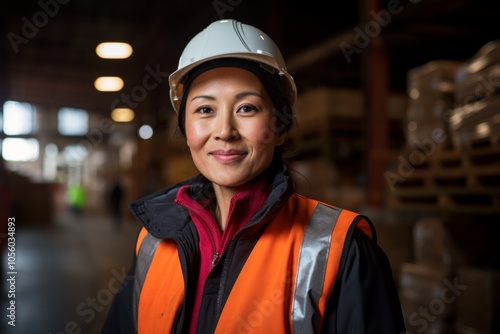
(398, 114)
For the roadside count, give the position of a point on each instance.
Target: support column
(375, 79)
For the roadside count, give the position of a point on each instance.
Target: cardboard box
(477, 78)
(436, 78)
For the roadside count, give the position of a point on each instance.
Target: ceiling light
(146, 132)
(122, 115)
(114, 50)
(108, 84)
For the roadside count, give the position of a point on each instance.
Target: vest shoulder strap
(311, 268)
(145, 256)
(313, 259)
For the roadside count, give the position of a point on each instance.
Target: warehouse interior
(398, 118)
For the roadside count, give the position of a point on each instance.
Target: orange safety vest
(283, 287)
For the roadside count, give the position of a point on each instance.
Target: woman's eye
(204, 110)
(247, 108)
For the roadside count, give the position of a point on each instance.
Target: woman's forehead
(227, 74)
(227, 79)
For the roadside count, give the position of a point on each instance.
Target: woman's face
(230, 126)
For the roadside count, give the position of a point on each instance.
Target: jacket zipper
(218, 305)
(215, 257)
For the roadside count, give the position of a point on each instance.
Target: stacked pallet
(451, 162)
(446, 182)
(447, 179)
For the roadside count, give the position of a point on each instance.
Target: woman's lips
(227, 156)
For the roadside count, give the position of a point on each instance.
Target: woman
(235, 250)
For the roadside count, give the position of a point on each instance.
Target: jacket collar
(163, 218)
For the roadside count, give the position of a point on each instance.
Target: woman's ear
(280, 138)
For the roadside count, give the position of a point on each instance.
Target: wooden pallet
(465, 181)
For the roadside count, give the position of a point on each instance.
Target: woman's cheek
(266, 133)
(266, 136)
(195, 134)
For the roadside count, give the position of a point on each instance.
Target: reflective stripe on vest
(312, 267)
(144, 259)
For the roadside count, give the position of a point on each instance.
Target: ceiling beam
(331, 46)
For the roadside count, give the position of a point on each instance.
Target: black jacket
(365, 298)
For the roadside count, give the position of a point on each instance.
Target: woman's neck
(223, 198)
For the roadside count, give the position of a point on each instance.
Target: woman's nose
(225, 127)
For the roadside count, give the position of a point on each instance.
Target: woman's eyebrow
(244, 94)
(238, 96)
(208, 97)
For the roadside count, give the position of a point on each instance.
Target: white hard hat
(230, 39)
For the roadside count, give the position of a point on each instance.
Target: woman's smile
(228, 156)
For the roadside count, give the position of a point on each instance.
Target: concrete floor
(67, 274)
